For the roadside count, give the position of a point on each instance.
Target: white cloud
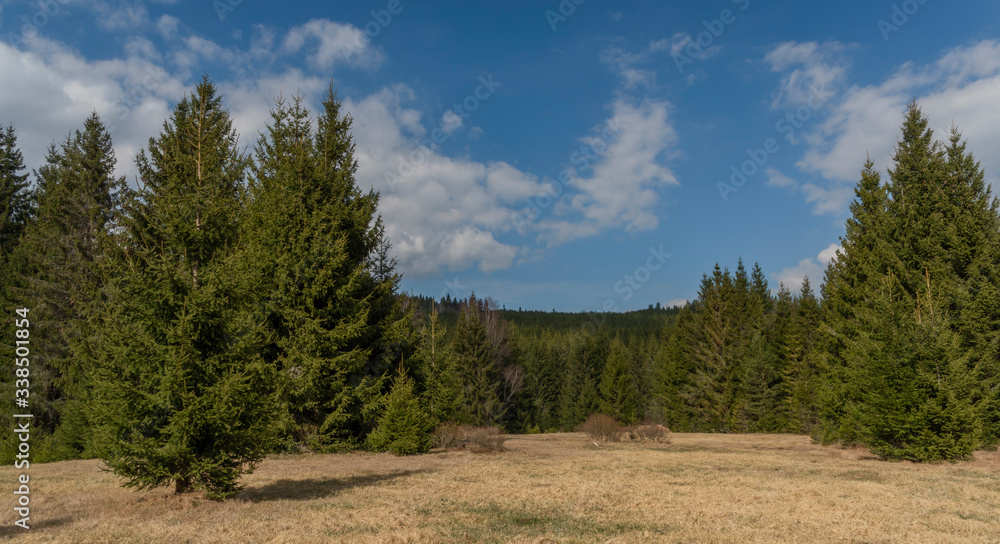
(680, 302)
(960, 87)
(813, 268)
(625, 64)
(623, 188)
(827, 256)
(808, 68)
(450, 122)
(50, 90)
(677, 45)
(336, 43)
(777, 179)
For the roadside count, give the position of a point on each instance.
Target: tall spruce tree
(849, 289)
(483, 364)
(16, 207)
(329, 300)
(441, 391)
(909, 389)
(16, 202)
(182, 394)
(618, 390)
(714, 391)
(672, 372)
(60, 274)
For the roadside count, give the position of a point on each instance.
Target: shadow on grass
(317, 488)
(11, 531)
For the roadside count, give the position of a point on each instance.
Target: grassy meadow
(550, 488)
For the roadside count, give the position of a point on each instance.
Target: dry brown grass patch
(545, 488)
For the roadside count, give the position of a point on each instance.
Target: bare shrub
(447, 435)
(476, 439)
(655, 433)
(484, 439)
(602, 428)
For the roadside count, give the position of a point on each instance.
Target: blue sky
(550, 155)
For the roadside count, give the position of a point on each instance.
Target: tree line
(231, 304)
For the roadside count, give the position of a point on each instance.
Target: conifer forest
(232, 303)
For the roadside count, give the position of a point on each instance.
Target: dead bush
(447, 435)
(484, 439)
(476, 439)
(658, 434)
(602, 428)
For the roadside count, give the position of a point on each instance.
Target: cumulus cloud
(444, 213)
(777, 179)
(813, 268)
(625, 64)
(807, 69)
(334, 43)
(624, 186)
(960, 87)
(450, 122)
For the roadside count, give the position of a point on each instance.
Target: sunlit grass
(545, 488)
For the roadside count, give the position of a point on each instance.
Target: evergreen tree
(60, 259)
(714, 391)
(802, 372)
(181, 394)
(618, 391)
(907, 388)
(672, 372)
(16, 204)
(849, 289)
(486, 375)
(914, 401)
(330, 307)
(441, 391)
(404, 428)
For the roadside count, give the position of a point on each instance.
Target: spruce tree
(60, 258)
(16, 204)
(849, 289)
(907, 386)
(404, 428)
(672, 372)
(16, 207)
(482, 354)
(618, 391)
(334, 322)
(182, 394)
(803, 372)
(714, 390)
(441, 391)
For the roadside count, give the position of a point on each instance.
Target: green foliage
(618, 392)
(488, 378)
(404, 428)
(907, 363)
(181, 394)
(331, 315)
(60, 278)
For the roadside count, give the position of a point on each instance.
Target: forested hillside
(236, 304)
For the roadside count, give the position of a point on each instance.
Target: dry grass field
(544, 489)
